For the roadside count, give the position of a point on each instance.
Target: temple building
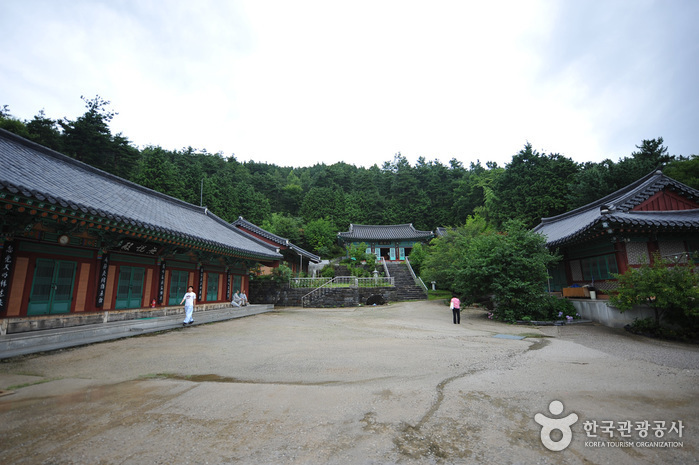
(295, 257)
(654, 215)
(79, 241)
(391, 242)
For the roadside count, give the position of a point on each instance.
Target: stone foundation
(42, 322)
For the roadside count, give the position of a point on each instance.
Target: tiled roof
(441, 231)
(615, 209)
(363, 232)
(246, 225)
(41, 174)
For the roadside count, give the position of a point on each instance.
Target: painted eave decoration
(41, 183)
(654, 203)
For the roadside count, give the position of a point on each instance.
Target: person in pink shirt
(455, 306)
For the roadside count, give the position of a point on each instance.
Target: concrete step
(12, 345)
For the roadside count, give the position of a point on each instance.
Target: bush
(648, 327)
(555, 308)
(670, 290)
(511, 266)
(358, 260)
(328, 271)
(416, 257)
(282, 273)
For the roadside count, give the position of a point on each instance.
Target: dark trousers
(457, 315)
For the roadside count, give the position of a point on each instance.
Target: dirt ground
(396, 384)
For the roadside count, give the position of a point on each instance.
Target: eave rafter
(25, 213)
(614, 229)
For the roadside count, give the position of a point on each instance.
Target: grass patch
(438, 295)
(157, 376)
(33, 383)
(532, 335)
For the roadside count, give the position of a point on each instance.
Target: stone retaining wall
(270, 292)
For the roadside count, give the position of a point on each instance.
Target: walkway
(12, 345)
(392, 384)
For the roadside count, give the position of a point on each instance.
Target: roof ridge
(264, 232)
(260, 230)
(91, 169)
(620, 194)
(110, 192)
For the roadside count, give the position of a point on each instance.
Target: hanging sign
(8, 259)
(138, 247)
(102, 282)
(161, 283)
(201, 282)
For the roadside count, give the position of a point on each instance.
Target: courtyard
(368, 385)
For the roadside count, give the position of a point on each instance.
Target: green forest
(309, 205)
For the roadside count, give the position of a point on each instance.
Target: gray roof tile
(42, 174)
(615, 208)
(363, 232)
(245, 224)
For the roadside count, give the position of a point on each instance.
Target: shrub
(358, 260)
(670, 290)
(328, 271)
(417, 256)
(511, 266)
(282, 273)
(555, 308)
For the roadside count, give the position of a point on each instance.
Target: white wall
(601, 312)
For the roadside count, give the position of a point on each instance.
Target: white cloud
(296, 83)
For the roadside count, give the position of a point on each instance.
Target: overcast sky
(300, 82)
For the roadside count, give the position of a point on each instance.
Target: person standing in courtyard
(455, 306)
(189, 298)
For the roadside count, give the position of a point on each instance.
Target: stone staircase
(406, 289)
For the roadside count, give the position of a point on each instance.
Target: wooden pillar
(622, 260)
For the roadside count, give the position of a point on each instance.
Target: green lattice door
(178, 286)
(211, 287)
(130, 287)
(52, 287)
(237, 283)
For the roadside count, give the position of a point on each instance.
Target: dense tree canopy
(531, 187)
(305, 204)
(508, 267)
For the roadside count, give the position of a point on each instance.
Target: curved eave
(577, 235)
(112, 222)
(374, 239)
(305, 253)
(622, 221)
(656, 222)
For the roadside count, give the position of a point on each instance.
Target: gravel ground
(372, 385)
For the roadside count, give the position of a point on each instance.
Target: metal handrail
(306, 298)
(417, 280)
(424, 286)
(378, 281)
(308, 282)
(385, 267)
(347, 281)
